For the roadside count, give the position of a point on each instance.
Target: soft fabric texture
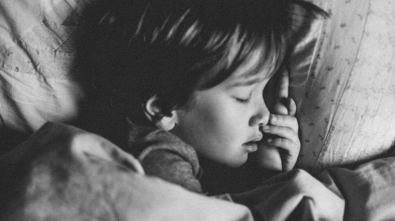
(343, 79)
(369, 190)
(37, 79)
(64, 173)
(294, 195)
(164, 155)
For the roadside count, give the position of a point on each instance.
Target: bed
(342, 79)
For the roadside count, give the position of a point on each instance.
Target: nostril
(259, 119)
(261, 127)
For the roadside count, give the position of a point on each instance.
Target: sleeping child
(187, 81)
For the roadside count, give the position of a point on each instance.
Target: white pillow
(36, 60)
(345, 89)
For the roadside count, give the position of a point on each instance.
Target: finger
(283, 84)
(281, 132)
(284, 121)
(285, 144)
(281, 92)
(288, 162)
(291, 107)
(288, 151)
(280, 108)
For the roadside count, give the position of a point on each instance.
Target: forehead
(258, 66)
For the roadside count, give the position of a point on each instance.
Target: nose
(260, 115)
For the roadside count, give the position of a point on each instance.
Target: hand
(280, 146)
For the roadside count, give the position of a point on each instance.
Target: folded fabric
(64, 173)
(295, 195)
(369, 190)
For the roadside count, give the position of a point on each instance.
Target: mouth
(251, 146)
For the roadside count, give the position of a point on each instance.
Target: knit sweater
(164, 155)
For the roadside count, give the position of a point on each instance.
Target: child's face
(222, 123)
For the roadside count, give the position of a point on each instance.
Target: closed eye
(242, 94)
(243, 100)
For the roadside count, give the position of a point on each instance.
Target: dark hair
(141, 48)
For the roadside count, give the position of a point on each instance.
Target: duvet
(65, 173)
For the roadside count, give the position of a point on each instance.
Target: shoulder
(164, 155)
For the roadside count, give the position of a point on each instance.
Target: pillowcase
(37, 82)
(343, 81)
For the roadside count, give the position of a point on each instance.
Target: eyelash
(242, 100)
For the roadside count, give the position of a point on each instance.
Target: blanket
(65, 173)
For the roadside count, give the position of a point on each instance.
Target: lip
(255, 138)
(251, 146)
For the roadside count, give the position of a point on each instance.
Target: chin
(235, 163)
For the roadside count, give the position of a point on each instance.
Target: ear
(154, 113)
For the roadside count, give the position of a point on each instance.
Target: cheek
(216, 128)
(209, 123)
(217, 114)
(221, 121)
